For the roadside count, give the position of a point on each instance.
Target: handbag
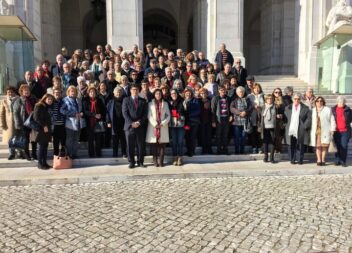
(31, 123)
(99, 127)
(332, 147)
(62, 161)
(18, 142)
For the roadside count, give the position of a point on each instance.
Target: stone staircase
(269, 83)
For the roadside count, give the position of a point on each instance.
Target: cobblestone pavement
(259, 214)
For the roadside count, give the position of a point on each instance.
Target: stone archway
(160, 28)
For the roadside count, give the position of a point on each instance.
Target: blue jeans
(239, 138)
(341, 140)
(177, 135)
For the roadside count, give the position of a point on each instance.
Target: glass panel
(3, 67)
(324, 65)
(344, 63)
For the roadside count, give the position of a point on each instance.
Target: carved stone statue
(339, 15)
(4, 7)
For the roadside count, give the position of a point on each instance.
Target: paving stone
(225, 214)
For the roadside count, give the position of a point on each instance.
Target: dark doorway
(159, 28)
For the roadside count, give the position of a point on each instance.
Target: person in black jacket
(42, 117)
(135, 112)
(105, 96)
(94, 112)
(115, 122)
(192, 120)
(205, 122)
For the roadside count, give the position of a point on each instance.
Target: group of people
(133, 98)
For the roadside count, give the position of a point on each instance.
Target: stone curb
(191, 175)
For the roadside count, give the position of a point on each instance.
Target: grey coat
(305, 122)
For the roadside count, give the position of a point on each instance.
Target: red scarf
(28, 105)
(158, 120)
(93, 108)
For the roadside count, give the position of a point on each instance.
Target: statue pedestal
(334, 64)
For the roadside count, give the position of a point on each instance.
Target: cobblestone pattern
(262, 214)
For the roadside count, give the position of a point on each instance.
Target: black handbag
(31, 123)
(99, 127)
(18, 142)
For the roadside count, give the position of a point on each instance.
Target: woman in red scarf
(94, 112)
(158, 127)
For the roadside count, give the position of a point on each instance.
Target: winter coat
(114, 115)
(178, 108)
(256, 112)
(327, 123)
(42, 117)
(6, 119)
(152, 122)
(348, 118)
(305, 123)
(69, 110)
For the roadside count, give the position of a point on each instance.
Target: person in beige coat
(6, 118)
(158, 127)
(323, 127)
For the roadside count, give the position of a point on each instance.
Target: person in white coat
(158, 127)
(323, 127)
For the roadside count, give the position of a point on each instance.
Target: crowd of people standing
(128, 99)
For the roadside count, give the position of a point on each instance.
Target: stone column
(124, 23)
(228, 26)
(211, 30)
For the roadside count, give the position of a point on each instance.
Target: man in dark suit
(299, 120)
(135, 112)
(240, 72)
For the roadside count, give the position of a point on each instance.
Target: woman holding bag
(323, 127)
(94, 112)
(42, 117)
(158, 127)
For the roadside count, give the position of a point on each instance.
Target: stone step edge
(191, 175)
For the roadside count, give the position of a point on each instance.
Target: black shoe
(293, 162)
(47, 165)
(337, 163)
(141, 165)
(344, 164)
(131, 166)
(323, 163)
(34, 157)
(11, 157)
(265, 160)
(319, 164)
(273, 161)
(124, 156)
(42, 167)
(300, 162)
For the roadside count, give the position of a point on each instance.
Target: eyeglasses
(277, 92)
(238, 62)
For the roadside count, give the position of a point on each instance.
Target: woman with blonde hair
(72, 110)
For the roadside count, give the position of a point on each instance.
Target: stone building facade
(273, 37)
